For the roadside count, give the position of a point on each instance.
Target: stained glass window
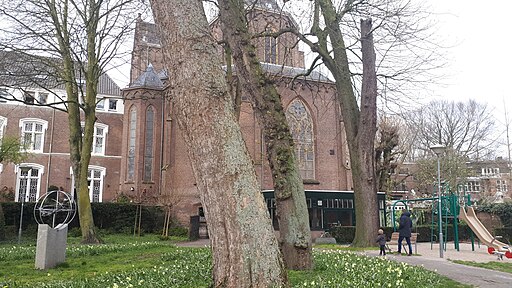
(131, 144)
(148, 149)
(301, 127)
(270, 52)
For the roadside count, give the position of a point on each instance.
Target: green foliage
(345, 234)
(108, 217)
(506, 233)
(503, 266)
(502, 210)
(12, 150)
(126, 262)
(178, 231)
(2, 223)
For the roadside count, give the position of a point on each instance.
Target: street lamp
(23, 170)
(438, 150)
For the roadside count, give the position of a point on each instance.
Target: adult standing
(404, 230)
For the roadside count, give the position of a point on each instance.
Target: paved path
(478, 277)
(428, 257)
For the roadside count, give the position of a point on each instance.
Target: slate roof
(149, 79)
(291, 72)
(22, 70)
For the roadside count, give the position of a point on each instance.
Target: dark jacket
(405, 226)
(381, 239)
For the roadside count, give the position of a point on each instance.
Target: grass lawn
(503, 266)
(126, 261)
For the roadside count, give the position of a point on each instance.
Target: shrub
(178, 231)
(502, 210)
(2, 224)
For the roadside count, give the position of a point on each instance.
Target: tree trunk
(292, 213)
(368, 203)
(245, 251)
(360, 126)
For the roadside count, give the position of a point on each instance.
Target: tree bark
(292, 213)
(79, 152)
(245, 250)
(360, 125)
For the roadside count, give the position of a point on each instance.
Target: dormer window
(112, 105)
(29, 97)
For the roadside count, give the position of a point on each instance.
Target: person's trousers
(408, 240)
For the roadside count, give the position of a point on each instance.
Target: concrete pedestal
(51, 245)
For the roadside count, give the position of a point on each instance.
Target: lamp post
(438, 150)
(22, 171)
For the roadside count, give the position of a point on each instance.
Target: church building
(155, 162)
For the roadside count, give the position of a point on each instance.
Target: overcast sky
(479, 63)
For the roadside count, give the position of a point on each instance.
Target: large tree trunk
(292, 213)
(245, 250)
(360, 125)
(368, 204)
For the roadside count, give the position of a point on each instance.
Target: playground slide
(481, 232)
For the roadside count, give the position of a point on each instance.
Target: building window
(131, 144)
(112, 105)
(473, 186)
(32, 134)
(29, 97)
(43, 98)
(270, 52)
(301, 127)
(501, 186)
(95, 177)
(4, 95)
(100, 134)
(3, 124)
(28, 182)
(490, 171)
(100, 105)
(339, 203)
(148, 143)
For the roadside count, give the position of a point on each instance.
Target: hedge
(111, 217)
(345, 234)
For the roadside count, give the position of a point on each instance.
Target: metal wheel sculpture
(54, 208)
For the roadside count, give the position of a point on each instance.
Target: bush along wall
(110, 217)
(2, 224)
(345, 234)
(502, 210)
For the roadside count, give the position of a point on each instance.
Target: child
(381, 239)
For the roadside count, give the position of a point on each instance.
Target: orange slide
(494, 246)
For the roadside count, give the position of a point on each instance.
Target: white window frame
(96, 136)
(35, 121)
(17, 171)
(103, 173)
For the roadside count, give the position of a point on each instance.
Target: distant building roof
(22, 70)
(266, 4)
(294, 71)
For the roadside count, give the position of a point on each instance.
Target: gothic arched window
(270, 52)
(148, 143)
(301, 127)
(132, 136)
